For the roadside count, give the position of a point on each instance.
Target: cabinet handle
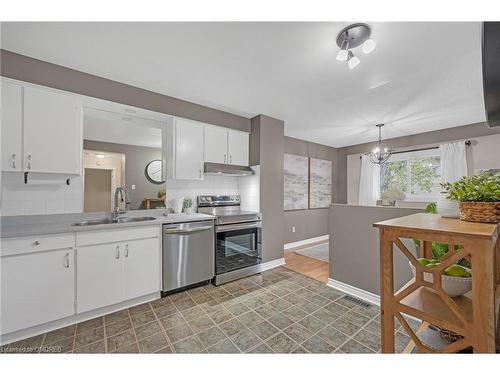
(117, 253)
(28, 161)
(36, 243)
(66, 260)
(200, 174)
(13, 161)
(230, 159)
(225, 158)
(126, 251)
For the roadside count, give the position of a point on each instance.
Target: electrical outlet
(293, 229)
(133, 187)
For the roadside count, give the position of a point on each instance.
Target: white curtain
(453, 161)
(369, 183)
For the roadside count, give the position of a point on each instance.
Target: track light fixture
(352, 60)
(352, 36)
(343, 51)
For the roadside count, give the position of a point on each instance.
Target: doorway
(103, 173)
(97, 190)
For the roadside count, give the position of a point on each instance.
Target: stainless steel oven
(238, 237)
(237, 246)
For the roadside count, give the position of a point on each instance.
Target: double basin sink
(119, 220)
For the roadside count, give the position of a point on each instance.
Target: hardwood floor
(311, 267)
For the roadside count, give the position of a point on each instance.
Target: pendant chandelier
(380, 154)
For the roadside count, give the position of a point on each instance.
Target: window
(411, 176)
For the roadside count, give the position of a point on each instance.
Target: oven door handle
(229, 228)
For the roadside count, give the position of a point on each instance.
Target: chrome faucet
(123, 193)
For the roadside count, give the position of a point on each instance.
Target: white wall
(20, 199)
(484, 153)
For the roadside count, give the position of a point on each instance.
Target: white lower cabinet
(36, 288)
(99, 276)
(117, 271)
(52, 277)
(141, 267)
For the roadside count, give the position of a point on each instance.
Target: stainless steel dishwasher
(188, 255)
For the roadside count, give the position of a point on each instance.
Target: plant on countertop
(478, 197)
(187, 204)
(162, 193)
(483, 187)
(439, 249)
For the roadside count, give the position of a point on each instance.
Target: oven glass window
(238, 249)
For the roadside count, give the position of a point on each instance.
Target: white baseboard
(272, 264)
(369, 297)
(292, 245)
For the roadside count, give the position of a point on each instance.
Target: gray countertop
(51, 224)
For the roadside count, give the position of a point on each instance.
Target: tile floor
(280, 311)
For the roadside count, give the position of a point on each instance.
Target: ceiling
(421, 77)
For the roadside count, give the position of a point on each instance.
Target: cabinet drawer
(116, 235)
(30, 244)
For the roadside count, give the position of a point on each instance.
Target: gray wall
(24, 68)
(136, 159)
(268, 151)
(445, 135)
(309, 223)
(354, 246)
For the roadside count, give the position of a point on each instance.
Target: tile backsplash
(17, 198)
(211, 185)
(249, 189)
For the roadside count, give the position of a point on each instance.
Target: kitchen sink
(111, 221)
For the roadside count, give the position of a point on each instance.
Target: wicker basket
(480, 212)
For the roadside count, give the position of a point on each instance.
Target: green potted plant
(478, 196)
(187, 205)
(162, 193)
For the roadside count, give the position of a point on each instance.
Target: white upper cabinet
(216, 144)
(52, 131)
(226, 146)
(12, 126)
(185, 150)
(237, 146)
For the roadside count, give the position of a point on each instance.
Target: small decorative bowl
(452, 285)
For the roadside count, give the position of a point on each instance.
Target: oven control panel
(218, 200)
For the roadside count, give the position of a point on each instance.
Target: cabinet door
(216, 145)
(188, 150)
(12, 122)
(52, 131)
(238, 148)
(99, 280)
(141, 267)
(36, 288)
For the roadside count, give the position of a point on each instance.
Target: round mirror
(153, 172)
